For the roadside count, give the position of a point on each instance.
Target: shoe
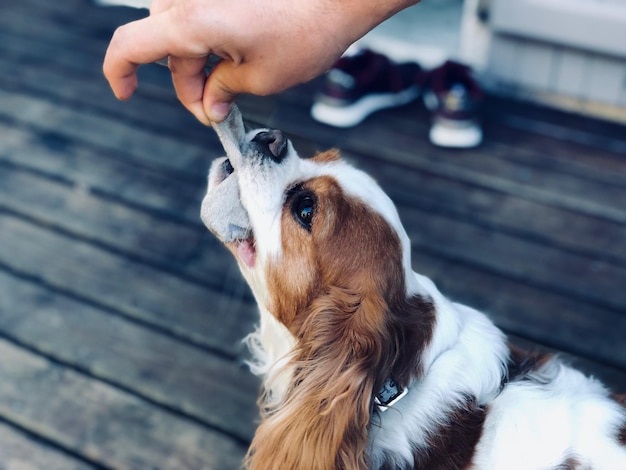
(454, 99)
(361, 84)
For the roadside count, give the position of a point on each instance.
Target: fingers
(260, 58)
(188, 77)
(145, 41)
(218, 96)
(151, 39)
(139, 42)
(229, 79)
(120, 73)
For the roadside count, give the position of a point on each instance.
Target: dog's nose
(272, 143)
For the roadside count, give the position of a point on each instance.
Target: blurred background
(121, 316)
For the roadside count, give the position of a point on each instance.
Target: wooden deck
(121, 316)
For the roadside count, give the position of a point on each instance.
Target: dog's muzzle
(222, 210)
(271, 144)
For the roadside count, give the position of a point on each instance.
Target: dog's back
(546, 411)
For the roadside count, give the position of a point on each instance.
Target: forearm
(358, 17)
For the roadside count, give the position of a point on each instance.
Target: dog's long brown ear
(342, 358)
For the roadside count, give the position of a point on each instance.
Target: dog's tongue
(231, 133)
(247, 252)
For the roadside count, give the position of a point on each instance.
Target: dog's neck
(466, 358)
(467, 353)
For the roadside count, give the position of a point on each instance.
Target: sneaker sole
(443, 135)
(348, 116)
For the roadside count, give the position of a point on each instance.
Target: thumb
(220, 90)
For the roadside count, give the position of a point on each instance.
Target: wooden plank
(106, 425)
(554, 320)
(61, 24)
(73, 6)
(76, 163)
(21, 451)
(165, 301)
(139, 234)
(587, 279)
(28, 48)
(521, 144)
(478, 168)
(527, 220)
(570, 202)
(485, 167)
(595, 203)
(57, 38)
(601, 140)
(115, 205)
(397, 142)
(34, 48)
(60, 158)
(159, 368)
(77, 209)
(40, 73)
(129, 106)
(103, 221)
(112, 137)
(518, 258)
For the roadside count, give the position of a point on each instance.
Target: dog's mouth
(222, 209)
(223, 213)
(245, 250)
(239, 239)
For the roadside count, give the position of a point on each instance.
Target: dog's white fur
(554, 418)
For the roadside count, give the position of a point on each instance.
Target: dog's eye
(303, 208)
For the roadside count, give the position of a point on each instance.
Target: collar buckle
(389, 395)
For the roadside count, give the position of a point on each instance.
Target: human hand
(266, 46)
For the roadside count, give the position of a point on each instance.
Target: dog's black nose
(272, 143)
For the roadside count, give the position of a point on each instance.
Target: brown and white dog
(366, 364)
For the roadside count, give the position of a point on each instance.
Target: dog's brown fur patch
(331, 155)
(340, 290)
(621, 433)
(571, 463)
(453, 445)
(523, 363)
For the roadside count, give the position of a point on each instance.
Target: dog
(366, 364)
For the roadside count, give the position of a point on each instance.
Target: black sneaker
(454, 99)
(358, 85)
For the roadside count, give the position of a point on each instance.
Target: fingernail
(219, 112)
